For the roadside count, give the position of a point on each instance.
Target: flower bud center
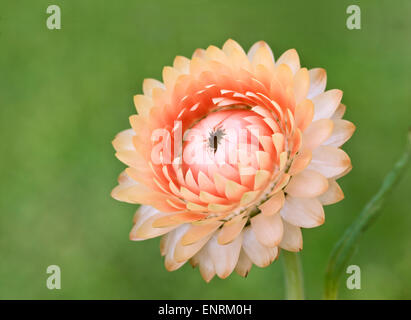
(222, 142)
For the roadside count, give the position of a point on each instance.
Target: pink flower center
(224, 142)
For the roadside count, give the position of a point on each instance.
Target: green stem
(344, 249)
(293, 272)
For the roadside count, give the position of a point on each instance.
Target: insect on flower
(260, 157)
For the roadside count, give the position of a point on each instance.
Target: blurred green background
(64, 94)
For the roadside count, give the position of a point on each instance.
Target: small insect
(214, 138)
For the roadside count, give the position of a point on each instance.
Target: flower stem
(293, 272)
(345, 247)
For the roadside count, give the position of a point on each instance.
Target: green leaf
(345, 247)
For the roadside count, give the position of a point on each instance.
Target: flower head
(231, 155)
